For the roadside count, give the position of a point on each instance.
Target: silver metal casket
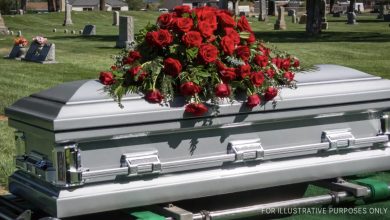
(79, 153)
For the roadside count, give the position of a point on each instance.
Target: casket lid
(84, 104)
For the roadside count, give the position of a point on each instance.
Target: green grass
(365, 47)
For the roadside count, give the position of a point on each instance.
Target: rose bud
(296, 63)
(106, 78)
(253, 100)
(270, 93)
(197, 109)
(289, 76)
(222, 90)
(154, 96)
(189, 89)
(172, 67)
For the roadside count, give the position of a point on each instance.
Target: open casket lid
(84, 104)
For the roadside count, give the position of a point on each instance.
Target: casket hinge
(246, 150)
(141, 163)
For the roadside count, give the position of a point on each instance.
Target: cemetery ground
(365, 47)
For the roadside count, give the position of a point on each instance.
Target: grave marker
(3, 28)
(68, 14)
(280, 23)
(126, 31)
(17, 52)
(263, 10)
(115, 18)
(41, 54)
(324, 23)
(303, 19)
(89, 30)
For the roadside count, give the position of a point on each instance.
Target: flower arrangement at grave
(205, 55)
(41, 41)
(20, 41)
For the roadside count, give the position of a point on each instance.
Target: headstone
(41, 54)
(303, 19)
(54, 30)
(386, 17)
(80, 31)
(17, 52)
(3, 28)
(66, 31)
(73, 32)
(291, 12)
(337, 14)
(19, 33)
(294, 18)
(351, 18)
(223, 4)
(68, 14)
(89, 30)
(11, 33)
(280, 23)
(359, 10)
(263, 10)
(242, 13)
(126, 31)
(381, 11)
(20, 11)
(115, 18)
(324, 23)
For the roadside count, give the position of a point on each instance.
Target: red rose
(257, 78)
(206, 28)
(106, 78)
(228, 74)
(206, 14)
(253, 100)
(261, 60)
(227, 45)
(225, 19)
(243, 24)
(251, 39)
(232, 34)
(137, 73)
(131, 58)
(180, 10)
(189, 89)
(165, 20)
(244, 70)
(184, 24)
(197, 109)
(243, 52)
(113, 68)
(289, 76)
(172, 67)
(192, 39)
(270, 73)
(160, 38)
(264, 50)
(285, 64)
(220, 65)
(154, 96)
(296, 63)
(277, 61)
(270, 93)
(208, 53)
(222, 90)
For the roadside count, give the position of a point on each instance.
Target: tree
(23, 4)
(313, 21)
(135, 5)
(51, 5)
(102, 4)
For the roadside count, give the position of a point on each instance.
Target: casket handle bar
(141, 163)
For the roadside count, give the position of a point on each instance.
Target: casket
(79, 153)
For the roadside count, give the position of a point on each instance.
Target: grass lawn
(365, 47)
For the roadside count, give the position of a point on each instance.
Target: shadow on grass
(302, 37)
(358, 21)
(91, 38)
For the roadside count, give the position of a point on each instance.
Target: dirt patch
(3, 118)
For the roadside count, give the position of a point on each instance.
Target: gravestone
(41, 54)
(263, 10)
(271, 8)
(351, 18)
(20, 12)
(11, 33)
(89, 30)
(324, 23)
(54, 30)
(291, 12)
(73, 32)
(126, 31)
(303, 19)
(381, 11)
(3, 28)
(68, 14)
(17, 52)
(66, 31)
(223, 4)
(386, 17)
(294, 17)
(115, 18)
(80, 31)
(19, 33)
(280, 23)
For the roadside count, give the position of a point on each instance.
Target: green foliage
(136, 5)
(7, 5)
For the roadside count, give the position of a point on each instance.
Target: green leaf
(192, 53)
(244, 35)
(174, 48)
